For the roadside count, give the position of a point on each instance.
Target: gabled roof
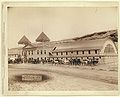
(42, 38)
(24, 40)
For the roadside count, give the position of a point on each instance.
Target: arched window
(109, 49)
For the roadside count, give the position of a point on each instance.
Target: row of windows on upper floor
(30, 52)
(77, 52)
(15, 55)
(41, 52)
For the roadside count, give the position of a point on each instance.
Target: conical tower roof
(24, 40)
(42, 38)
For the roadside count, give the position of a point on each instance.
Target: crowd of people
(71, 61)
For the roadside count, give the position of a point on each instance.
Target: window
(29, 52)
(56, 53)
(71, 52)
(66, 58)
(32, 52)
(25, 52)
(89, 52)
(61, 53)
(41, 52)
(82, 52)
(66, 53)
(109, 49)
(77, 52)
(37, 51)
(44, 51)
(22, 53)
(45, 58)
(95, 51)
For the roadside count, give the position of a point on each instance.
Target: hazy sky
(58, 23)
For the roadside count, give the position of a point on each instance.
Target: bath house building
(104, 49)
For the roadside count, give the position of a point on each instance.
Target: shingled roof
(24, 40)
(42, 38)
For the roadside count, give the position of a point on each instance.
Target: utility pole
(42, 27)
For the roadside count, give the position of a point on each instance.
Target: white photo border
(4, 69)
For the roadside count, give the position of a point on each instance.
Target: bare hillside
(113, 34)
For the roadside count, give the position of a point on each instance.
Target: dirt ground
(62, 78)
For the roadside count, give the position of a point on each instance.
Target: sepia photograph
(61, 48)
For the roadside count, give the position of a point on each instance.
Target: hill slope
(113, 34)
(99, 35)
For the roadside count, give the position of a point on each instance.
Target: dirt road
(62, 78)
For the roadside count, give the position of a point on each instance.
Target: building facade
(103, 49)
(14, 52)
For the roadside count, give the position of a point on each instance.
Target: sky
(58, 22)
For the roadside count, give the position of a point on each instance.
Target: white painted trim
(108, 41)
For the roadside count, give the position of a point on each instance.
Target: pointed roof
(24, 40)
(42, 38)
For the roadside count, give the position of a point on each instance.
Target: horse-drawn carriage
(14, 60)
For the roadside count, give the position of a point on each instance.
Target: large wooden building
(104, 49)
